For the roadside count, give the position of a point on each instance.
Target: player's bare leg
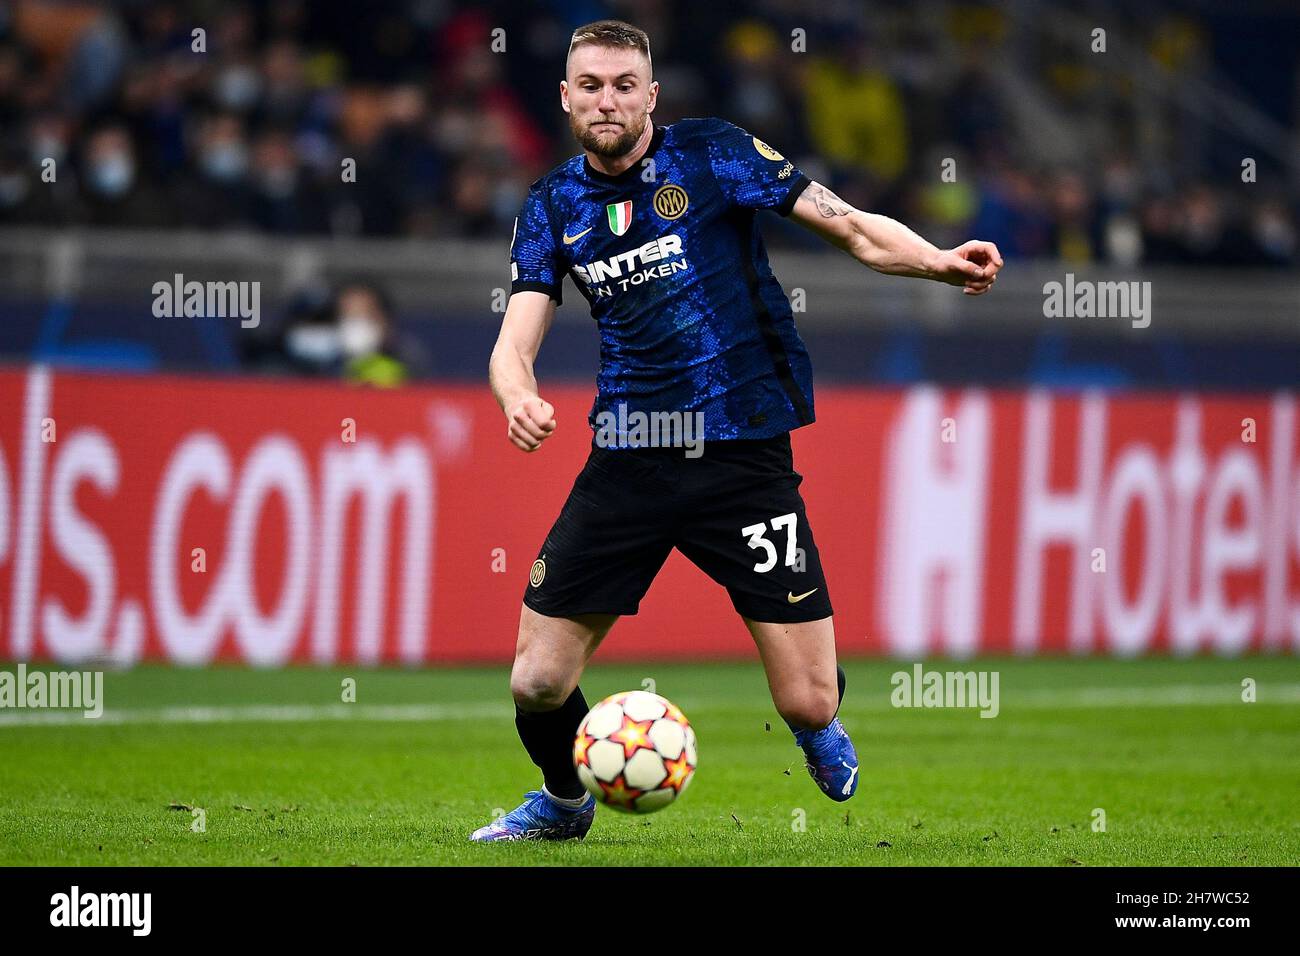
(807, 686)
(550, 656)
(800, 663)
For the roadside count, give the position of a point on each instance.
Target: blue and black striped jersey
(669, 256)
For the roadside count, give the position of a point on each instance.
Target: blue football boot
(539, 818)
(831, 759)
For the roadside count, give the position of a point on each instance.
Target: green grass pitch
(1184, 770)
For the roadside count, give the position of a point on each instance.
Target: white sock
(573, 803)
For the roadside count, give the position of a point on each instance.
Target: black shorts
(735, 512)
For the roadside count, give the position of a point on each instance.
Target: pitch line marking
(1171, 695)
(259, 713)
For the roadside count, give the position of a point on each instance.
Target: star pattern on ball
(580, 745)
(673, 712)
(679, 771)
(619, 793)
(634, 735)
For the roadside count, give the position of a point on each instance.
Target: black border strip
(744, 221)
(792, 197)
(554, 291)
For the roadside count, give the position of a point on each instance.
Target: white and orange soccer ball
(635, 752)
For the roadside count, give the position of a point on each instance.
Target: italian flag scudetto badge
(620, 216)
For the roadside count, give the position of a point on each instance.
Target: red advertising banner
(192, 520)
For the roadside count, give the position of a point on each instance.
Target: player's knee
(539, 689)
(812, 709)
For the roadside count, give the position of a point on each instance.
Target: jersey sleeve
(534, 263)
(751, 173)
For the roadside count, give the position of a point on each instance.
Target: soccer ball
(635, 752)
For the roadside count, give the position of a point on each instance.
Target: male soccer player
(657, 226)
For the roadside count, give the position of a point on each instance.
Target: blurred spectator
(1057, 157)
(218, 193)
(1274, 234)
(347, 334)
(113, 192)
(97, 61)
(1074, 236)
(16, 62)
(284, 199)
(373, 352)
(1160, 224)
(764, 92)
(855, 112)
(17, 194)
(1208, 236)
(1013, 214)
(305, 342)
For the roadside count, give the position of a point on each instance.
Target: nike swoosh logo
(569, 240)
(790, 595)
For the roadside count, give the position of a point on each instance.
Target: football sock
(840, 681)
(548, 738)
(573, 804)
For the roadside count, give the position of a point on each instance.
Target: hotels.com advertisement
(191, 520)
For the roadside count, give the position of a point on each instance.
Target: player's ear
(653, 98)
(564, 95)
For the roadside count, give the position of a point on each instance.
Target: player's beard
(619, 145)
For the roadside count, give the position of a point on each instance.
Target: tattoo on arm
(827, 203)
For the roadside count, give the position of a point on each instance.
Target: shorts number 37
(756, 541)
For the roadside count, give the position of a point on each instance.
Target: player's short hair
(611, 33)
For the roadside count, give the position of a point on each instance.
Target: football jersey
(669, 257)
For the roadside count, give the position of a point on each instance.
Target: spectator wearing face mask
(112, 188)
(23, 197)
(217, 193)
(284, 199)
(373, 353)
(349, 336)
(28, 193)
(306, 341)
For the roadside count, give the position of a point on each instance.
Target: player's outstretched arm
(510, 370)
(888, 246)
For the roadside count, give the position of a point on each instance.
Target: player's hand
(531, 423)
(973, 265)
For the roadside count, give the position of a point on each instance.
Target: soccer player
(657, 226)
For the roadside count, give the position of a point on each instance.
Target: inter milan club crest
(670, 201)
(620, 216)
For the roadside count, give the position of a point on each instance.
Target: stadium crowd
(960, 122)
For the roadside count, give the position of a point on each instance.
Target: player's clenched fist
(973, 265)
(531, 422)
